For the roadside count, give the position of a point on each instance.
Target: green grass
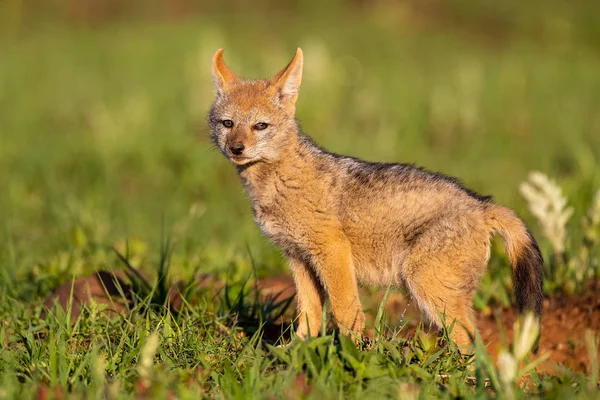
(103, 141)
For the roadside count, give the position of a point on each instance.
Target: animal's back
(384, 209)
(384, 193)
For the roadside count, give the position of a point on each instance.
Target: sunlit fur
(342, 221)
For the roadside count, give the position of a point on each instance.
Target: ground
(565, 318)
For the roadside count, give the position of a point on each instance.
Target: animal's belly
(383, 268)
(378, 259)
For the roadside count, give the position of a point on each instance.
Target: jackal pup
(341, 220)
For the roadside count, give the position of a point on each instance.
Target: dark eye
(261, 126)
(227, 123)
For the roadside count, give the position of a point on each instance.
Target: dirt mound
(104, 288)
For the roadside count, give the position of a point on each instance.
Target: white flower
(548, 204)
(525, 335)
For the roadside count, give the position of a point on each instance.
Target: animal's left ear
(222, 75)
(288, 80)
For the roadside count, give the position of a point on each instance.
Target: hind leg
(443, 273)
(442, 304)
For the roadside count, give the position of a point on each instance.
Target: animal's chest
(273, 217)
(289, 211)
(271, 220)
(285, 223)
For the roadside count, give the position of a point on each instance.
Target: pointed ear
(288, 80)
(222, 75)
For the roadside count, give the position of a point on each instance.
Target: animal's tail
(524, 255)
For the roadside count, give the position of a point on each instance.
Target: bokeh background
(103, 137)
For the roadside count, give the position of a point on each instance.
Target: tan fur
(341, 220)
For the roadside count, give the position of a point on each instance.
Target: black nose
(236, 148)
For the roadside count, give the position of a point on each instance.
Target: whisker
(212, 149)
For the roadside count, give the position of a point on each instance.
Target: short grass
(103, 141)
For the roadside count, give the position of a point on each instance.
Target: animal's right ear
(222, 75)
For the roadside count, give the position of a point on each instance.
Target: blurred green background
(103, 103)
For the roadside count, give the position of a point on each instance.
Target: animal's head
(251, 120)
